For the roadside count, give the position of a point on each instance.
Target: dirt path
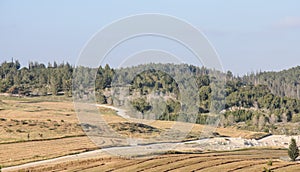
(120, 112)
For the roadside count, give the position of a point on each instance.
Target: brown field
(52, 126)
(53, 129)
(39, 118)
(23, 152)
(242, 160)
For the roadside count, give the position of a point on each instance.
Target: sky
(248, 35)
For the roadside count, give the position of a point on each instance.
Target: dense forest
(257, 101)
(36, 79)
(283, 83)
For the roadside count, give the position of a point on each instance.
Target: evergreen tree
(293, 150)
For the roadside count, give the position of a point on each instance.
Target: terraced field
(34, 129)
(242, 160)
(24, 152)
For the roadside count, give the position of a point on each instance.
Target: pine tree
(293, 150)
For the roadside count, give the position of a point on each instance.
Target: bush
(296, 118)
(20, 131)
(266, 170)
(269, 163)
(141, 105)
(9, 131)
(293, 150)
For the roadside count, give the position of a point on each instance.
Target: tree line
(36, 79)
(258, 99)
(283, 83)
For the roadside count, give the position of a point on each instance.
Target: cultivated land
(242, 160)
(34, 129)
(52, 127)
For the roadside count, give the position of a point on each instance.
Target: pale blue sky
(249, 35)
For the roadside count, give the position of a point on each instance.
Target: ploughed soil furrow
(218, 164)
(247, 166)
(284, 166)
(120, 165)
(153, 160)
(136, 162)
(179, 167)
(231, 154)
(260, 166)
(228, 162)
(216, 157)
(89, 167)
(171, 161)
(72, 165)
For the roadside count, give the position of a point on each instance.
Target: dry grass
(53, 130)
(136, 130)
(23, 152)
(41, 120)
(243, 160)
(52, 127)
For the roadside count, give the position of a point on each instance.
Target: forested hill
(36, 79)
(283, 83)
(260, 101)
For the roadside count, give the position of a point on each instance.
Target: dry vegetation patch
(134, 129)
